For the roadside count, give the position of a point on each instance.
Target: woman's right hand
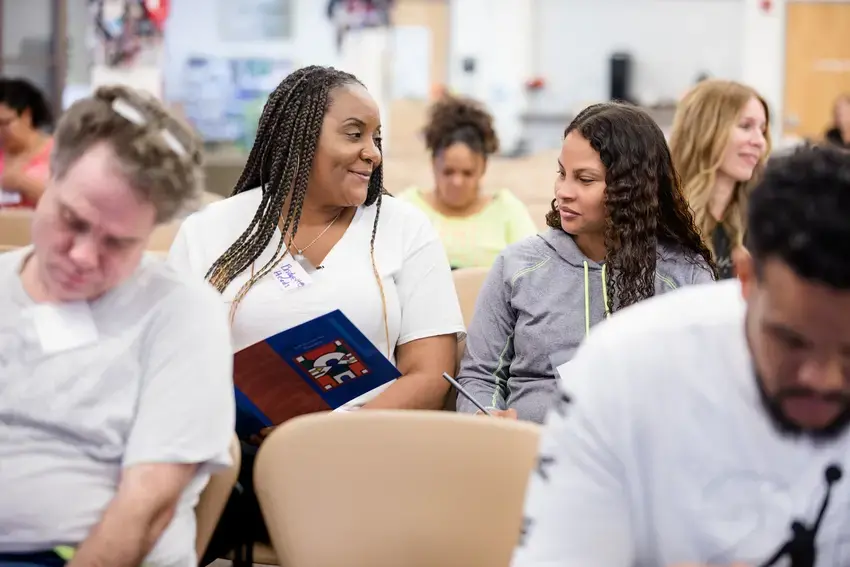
(509, 413)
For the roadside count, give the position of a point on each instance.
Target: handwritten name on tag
(290, 275)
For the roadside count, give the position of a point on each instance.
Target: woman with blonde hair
(719, 143)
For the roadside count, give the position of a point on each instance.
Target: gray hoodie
(538, 303)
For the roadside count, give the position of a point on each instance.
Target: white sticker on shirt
(291, 275)
(64, 327)
(9, 198)
(563, 371)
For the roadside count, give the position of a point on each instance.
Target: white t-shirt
(663, 453)
(417, 281)
(141, 375)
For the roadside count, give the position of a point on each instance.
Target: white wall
(79, 54)
(763, 55)
(497, 35)
(193, 29)
(671, 42)
(568, 42)
(26, 37)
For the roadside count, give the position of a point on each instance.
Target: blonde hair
(160, 155)
(701, 129)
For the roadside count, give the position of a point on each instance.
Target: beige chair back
(395, 488)
(538, 212)
(15, 228)
(214, 498)
(468, 282)
(162, 237)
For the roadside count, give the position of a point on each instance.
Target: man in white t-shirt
(710, 426)
(116, 393)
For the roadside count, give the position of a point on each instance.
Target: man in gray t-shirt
(116, 393)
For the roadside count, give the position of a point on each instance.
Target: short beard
(773, 405)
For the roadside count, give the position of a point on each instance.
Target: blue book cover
(319, 365)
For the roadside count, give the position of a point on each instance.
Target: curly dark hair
(798, 214)
(460, 120)
(21, 95)
(643, 199)
(280, 162)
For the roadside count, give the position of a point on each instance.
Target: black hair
(21, 95)
(280, 162)
(460, 120)
(799, 213)
(643, 199)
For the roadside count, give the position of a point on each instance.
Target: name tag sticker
(291, 275)
(64, 327)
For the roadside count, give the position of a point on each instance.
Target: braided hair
(280, 162)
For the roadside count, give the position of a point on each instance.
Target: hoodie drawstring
(587, 296)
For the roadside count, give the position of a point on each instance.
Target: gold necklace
(299, 252)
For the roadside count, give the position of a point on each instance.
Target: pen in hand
(466, 394)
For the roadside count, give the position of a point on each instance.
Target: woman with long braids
(312, 191)
(619, 232)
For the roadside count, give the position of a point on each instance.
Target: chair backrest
(163, 236)
(538, 212)
(468, 282)
(214, 498)
(15, 228)
(388, 488)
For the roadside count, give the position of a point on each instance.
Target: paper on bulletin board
(224, 97)
(411, 64)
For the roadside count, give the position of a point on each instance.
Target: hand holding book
(321, 365)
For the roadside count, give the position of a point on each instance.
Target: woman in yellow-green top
(474, 226)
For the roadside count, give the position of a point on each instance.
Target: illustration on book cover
(332, 365)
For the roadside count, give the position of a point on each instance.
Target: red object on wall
(766, 5)
(535, 84)
(157, 11)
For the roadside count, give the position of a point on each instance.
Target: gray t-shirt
(141, 375)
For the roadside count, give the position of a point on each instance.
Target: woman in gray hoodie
(620, 231)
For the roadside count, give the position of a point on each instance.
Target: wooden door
(817, 65)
